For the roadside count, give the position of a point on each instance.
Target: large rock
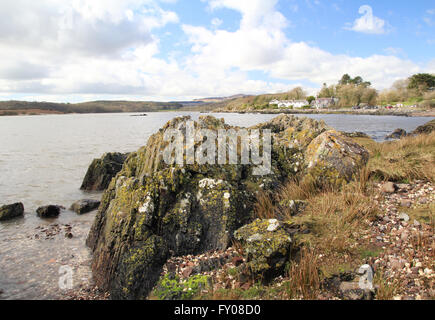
(426, 128)
(151, 209)
(266, 245)
(50, 211)
(101, 171)
(85, 206)
(10, 211)
(333, 159)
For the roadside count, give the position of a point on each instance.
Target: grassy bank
(342, 222)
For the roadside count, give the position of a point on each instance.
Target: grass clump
(408, 159)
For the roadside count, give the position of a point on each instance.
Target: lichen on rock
(266, 245)
(332, 159)
(152, 209)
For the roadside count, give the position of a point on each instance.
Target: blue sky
(82, 50)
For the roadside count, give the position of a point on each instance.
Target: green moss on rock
(266, 246)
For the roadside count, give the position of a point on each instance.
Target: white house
(296, 104)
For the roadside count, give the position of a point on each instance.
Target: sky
(172, 50)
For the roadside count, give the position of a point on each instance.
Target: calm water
(43, 160)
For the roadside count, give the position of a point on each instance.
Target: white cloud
(260, 44)
(368, 23)
(83, 50)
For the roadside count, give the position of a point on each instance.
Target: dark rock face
(397, 134)
(426, 128)
(152, 210)
(50, 211)
(101, 171)
(11, 211)
(84, 206)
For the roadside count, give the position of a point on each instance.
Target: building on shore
(295, 104)
(323, 103)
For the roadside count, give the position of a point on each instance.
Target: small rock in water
(397, 134)
(68, 235)
(50, 211)
(11, 211)
(85, 206)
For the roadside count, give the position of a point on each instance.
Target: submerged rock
(101, 171)
(84, 206)
(266, 245)
(50, 211)
(426, 128)
(152, 210)
(10, 211)
(397, 134)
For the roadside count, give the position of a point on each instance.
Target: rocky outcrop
(332, 159)
(50, 211)
(10, 211)
(84, 206)
(101, 171)
(397, 134)
(356, 134)
(152, 210)
(266, 246)
(426, 128)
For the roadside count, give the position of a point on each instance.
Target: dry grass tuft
(407, 159)
(304, 276)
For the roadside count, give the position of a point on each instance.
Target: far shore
(377, 112)
(370, 112)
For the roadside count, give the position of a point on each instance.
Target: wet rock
(388, 187)
(69, 235)
(397, 134)
(101, 171)
(84, 206)
(426, 128)
(50, 211)
(11, 211)
(266, 246)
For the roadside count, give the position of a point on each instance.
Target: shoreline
(416, 113)
(398, 113)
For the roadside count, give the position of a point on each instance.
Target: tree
(422, 81)
(345, 79)
(311, 99)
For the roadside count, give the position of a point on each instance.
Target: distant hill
(24, 107)
(237, 103)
